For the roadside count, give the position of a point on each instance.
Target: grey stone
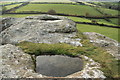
(15, 63)
(7, 22)
(58, 66)
(108, 44)
(90, 70)
(41, 29)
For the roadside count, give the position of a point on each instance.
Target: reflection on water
(58, 66)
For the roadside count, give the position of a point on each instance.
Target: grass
(103, 21)
(109, 32)
(109, 11)
(60, 8)
(79, 19)
(115, 21)
(3, 3)
(100, 21)
(12, 6)
(51, 1)
(18, 15)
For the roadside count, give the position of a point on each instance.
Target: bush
(51, 11)
(94, 21)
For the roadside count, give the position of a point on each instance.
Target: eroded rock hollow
(58, 66)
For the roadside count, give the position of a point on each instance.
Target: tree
(51, 11)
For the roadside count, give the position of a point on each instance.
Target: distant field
(60, 8)
(79, 19)
(13, 0)
(3, 3)
(109, 32)
(103, 21)
(51, 1)
(100, 21)
(12, 6)
(17, 15)
(115, 21)
(109, 11)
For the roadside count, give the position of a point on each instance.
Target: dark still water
(58, 66)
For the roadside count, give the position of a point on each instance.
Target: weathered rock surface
(7, 22)
(16, 64)
(41, 29)
(58, 65)
(110, 45)
(91, 70)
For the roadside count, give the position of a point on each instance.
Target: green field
(115, 21)
(103, 21)
(51, 1)
(109, 11)
(3, 3)
(18, 15)
(100, 21)
(79, 19)
(61, 8)
(12, 6)
(109, 32)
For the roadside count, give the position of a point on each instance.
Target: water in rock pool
(58, 66)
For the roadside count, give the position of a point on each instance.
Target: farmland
(51, 1)
(100, 21)
(12, 6)
(17, 15)
(115, 21)
(60, 8)
(4, 3)
(109, 32)
(109, 11)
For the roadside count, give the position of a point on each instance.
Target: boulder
(16, 64)
(110, 45)
(7, 22)
(41, 29)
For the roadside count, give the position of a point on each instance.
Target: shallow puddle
(58, 66)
